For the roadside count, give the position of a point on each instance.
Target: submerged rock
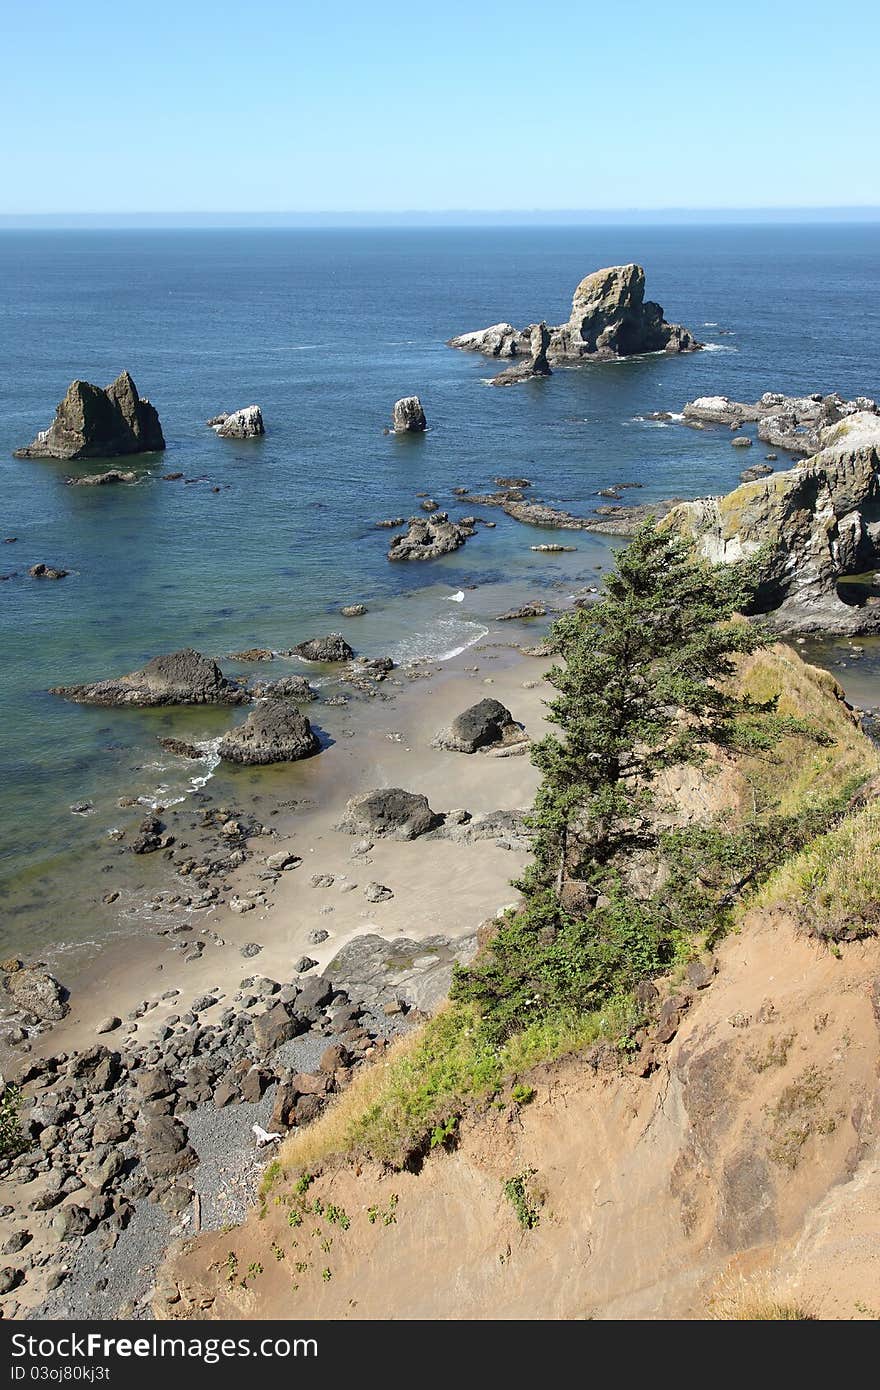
(42, 571)
(408, 417)
(333, 647)
(353, 610)
(180, 678)
(284, 688)
(429, 537)
(246, 423)
(808, 527)
(113, 475)
(610, 317)
(274, 732)
(486, 723)
(388, 811)
(95, 423)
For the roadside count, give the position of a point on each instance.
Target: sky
(284, 106)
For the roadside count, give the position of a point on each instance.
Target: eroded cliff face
(749, 1153)
(808, 528)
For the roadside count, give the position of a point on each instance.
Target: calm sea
(324, 330)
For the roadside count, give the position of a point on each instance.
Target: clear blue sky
(284, 105)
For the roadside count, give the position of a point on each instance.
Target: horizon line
(444, 217)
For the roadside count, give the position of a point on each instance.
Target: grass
(834, 884)
(391, 1109)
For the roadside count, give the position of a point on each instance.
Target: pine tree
(643, 683)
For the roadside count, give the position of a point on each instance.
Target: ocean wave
(456, 598)
(445, 639)
(161, 795)
(719, 347)
(708, 324)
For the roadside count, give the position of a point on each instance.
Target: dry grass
(796, 771)
(834, 884)
(754, 1300)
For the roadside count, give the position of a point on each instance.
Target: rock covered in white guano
(246, 423)
(408, 417)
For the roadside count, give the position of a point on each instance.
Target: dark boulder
(481, 725)
(388, 811)
(180, 678)
(274, 732)
(333, 647)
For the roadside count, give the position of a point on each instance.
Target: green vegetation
(659, 677)
(526, 1206)
(12, 1140)
(834, 883)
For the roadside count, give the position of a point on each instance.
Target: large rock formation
(180, 678)
(95, 423)
(536, 364)
(610, 317)
(274, 732)
(483, 725)
(808, 528)
(430, 537)
(388, 811)
(36, 992)
(246, 423)
(785, 422)
(408, 417)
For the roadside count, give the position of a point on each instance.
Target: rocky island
(96, 422)
(610, 317)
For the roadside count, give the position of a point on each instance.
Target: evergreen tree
(643, 683)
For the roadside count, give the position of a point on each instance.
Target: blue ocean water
(325, 329)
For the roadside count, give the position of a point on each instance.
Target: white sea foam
(718, 347)
(456, 598)
(709, 324)
(161, 795)
(443, 640)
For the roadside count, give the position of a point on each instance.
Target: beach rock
(742, 441)
(429, 537)
(610, 317)
(164, 1149)
(282, 859)
(807, 528)
(536, 365)
(284, 688)
(253, 654)
(486, 723)
(95, 423)
(274, 732)
(377, 893)
(180, 678)
(408, 417)
(333, 647)
(71, 1222)
(353, 610)
(388, 811)
(113, 475)
(528, 610)
(42, 571)
(108, 1024)
(303, 964)
(246, 423)
(274, 1027)
(418, 973)
(36, 992)
(317, 936)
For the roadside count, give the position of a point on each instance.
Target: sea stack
(408, 417)
(536, 365)
(609, 318)
(92, 422)
(246, 423)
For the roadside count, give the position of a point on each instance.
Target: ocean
(324, 329)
